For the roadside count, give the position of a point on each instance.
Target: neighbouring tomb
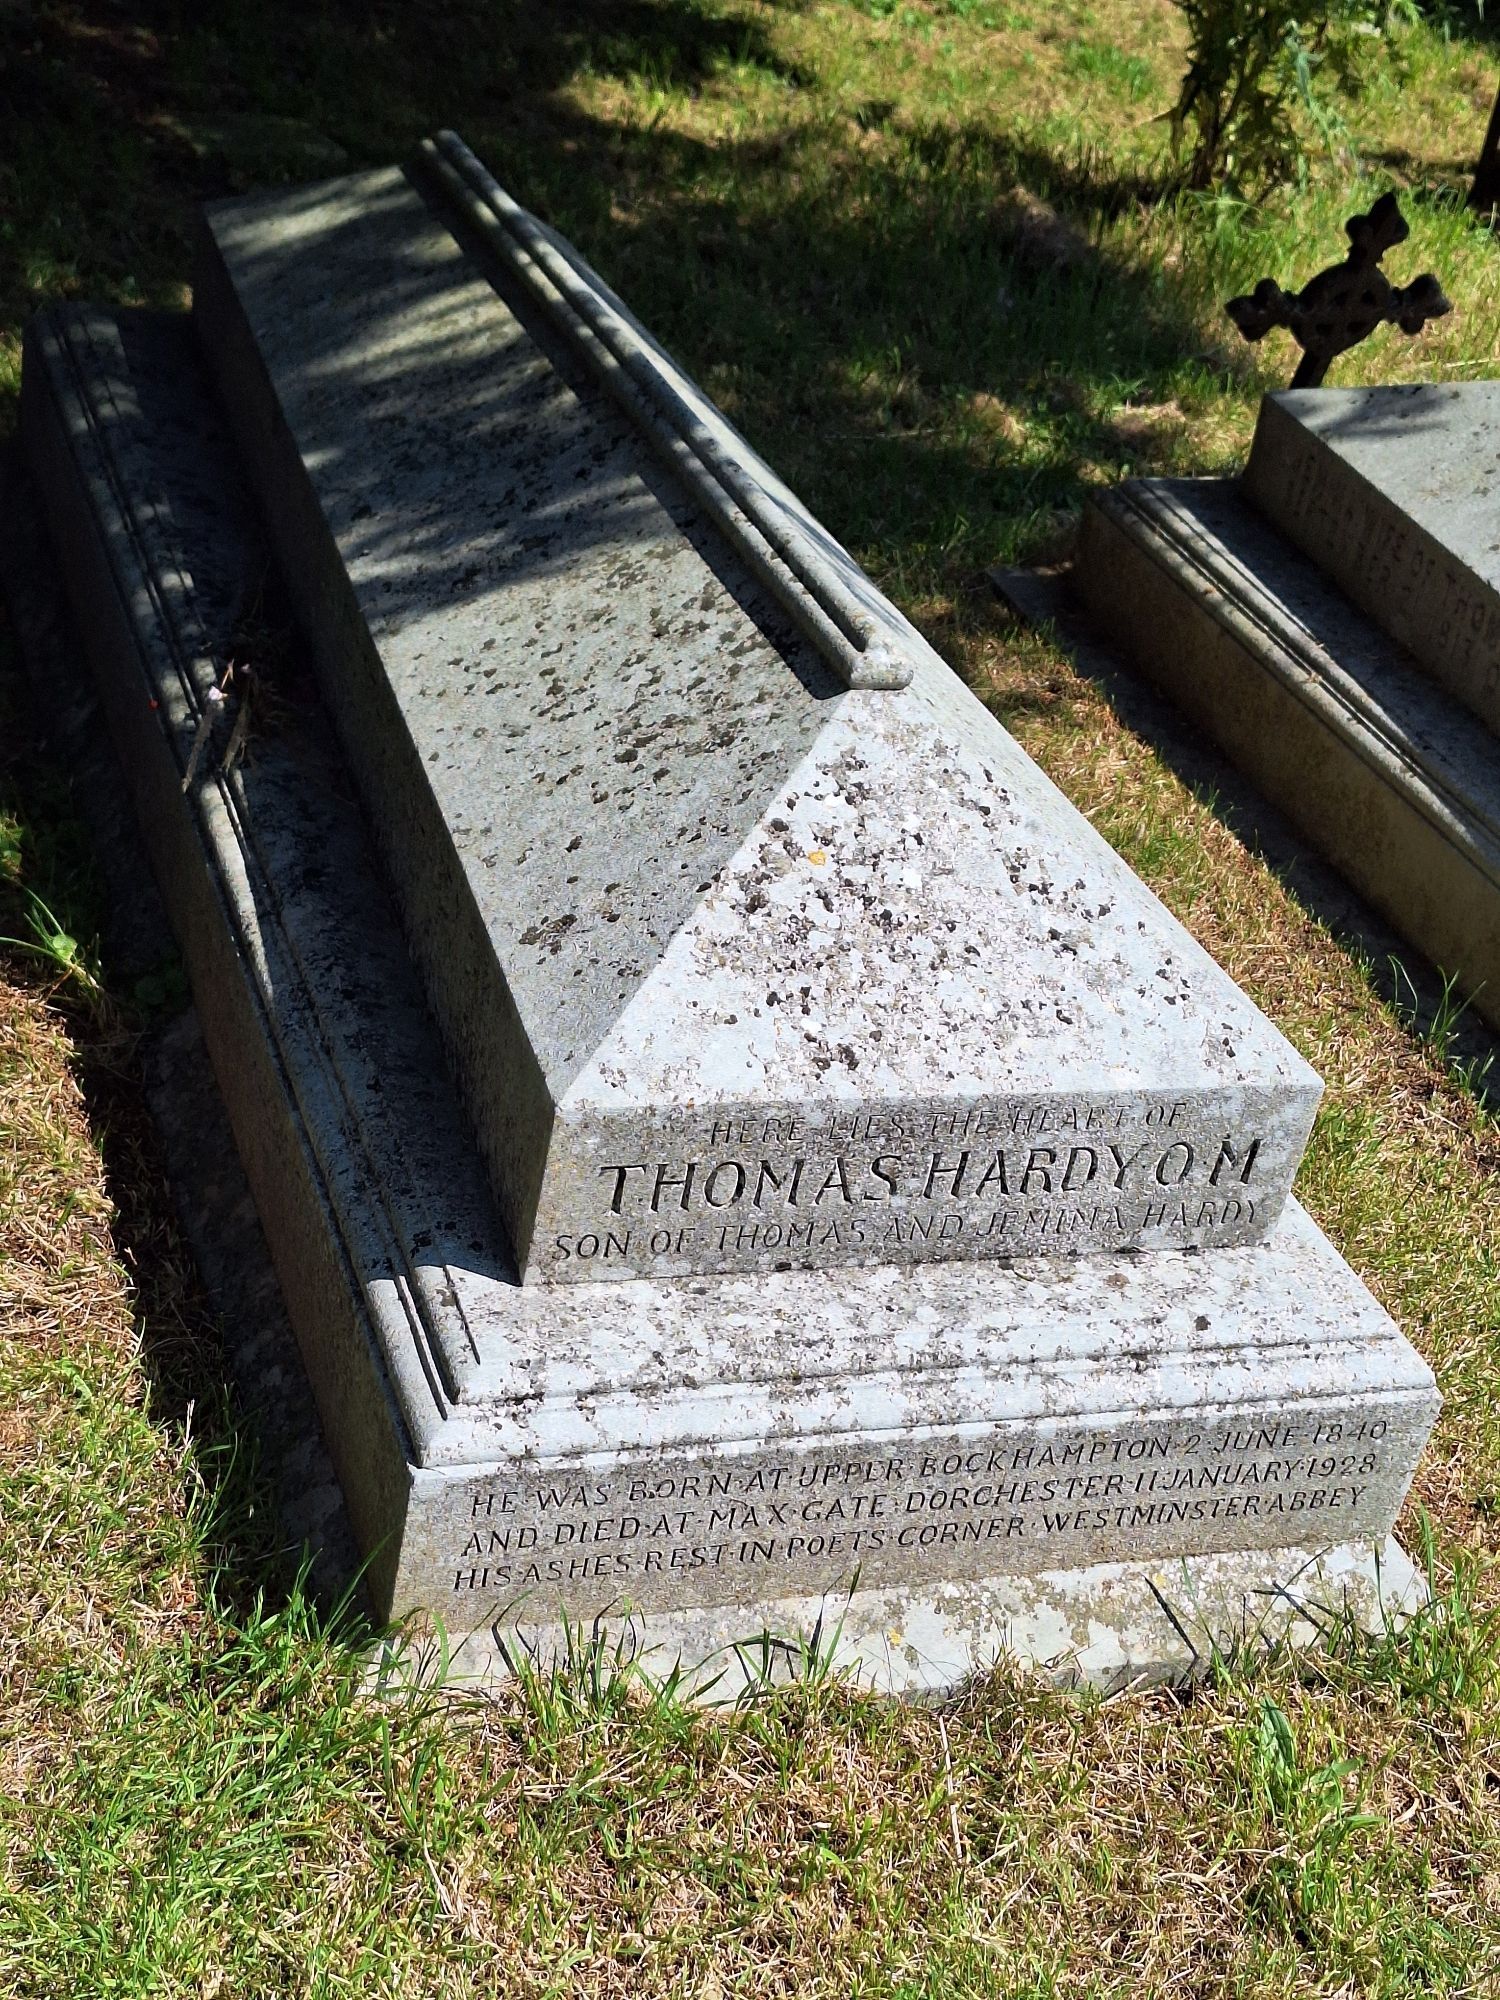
(1331, 619)
(1394, 494)
(653, 908)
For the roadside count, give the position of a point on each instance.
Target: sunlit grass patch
(1271, 1835)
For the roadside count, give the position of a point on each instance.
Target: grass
(921, 250)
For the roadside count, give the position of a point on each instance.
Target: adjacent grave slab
(1382, 769)
(749, 951)
(687, 1450)
(1395, 494)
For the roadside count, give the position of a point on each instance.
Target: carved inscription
(733, 1529)
(888, 1185)
(1394, 568)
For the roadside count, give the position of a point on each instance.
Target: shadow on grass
(270, 1521)
(926, 368)
(121, 119)
(1473, 21)
(936, 378)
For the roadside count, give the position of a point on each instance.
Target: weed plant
(1252, 66)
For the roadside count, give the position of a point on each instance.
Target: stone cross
(1336, 309)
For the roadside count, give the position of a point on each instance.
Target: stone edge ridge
(1064, 1380)
(810, 575)
(206, 837)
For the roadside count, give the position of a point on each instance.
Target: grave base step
(1112, 1625)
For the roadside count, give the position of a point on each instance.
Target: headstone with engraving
(738, 963)
(699, 1134)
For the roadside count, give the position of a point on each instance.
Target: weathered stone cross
(1336, 309)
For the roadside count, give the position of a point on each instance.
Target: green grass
(923, 251)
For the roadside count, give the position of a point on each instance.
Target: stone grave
(741, 1154)
(1332, 620)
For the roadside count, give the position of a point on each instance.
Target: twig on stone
(212, 706)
